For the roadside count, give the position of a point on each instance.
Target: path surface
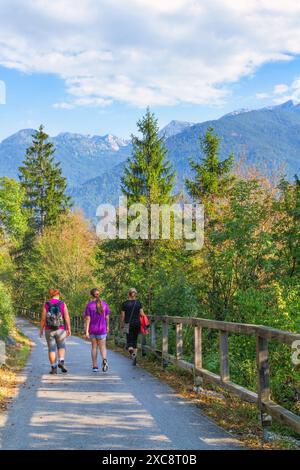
(126, 408)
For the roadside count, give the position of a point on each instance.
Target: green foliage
(45, 187)
(287, 229)
(13, 219)
(148, 177)
(62, 256)
(248, 270)
(213, 177)
(6, 311)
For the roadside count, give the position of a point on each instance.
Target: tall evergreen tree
(45, 187)
(148, 177)
(212, 177)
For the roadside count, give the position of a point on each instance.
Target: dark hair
(99, 308)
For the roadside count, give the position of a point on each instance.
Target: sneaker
(53, 370)
(105, 365)
(133, 356)
(95, 369)
(62, 367)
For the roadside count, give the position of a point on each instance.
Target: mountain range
(93, 165)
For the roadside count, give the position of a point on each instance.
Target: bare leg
(52, 358)
(102, 347)
(61, 354)
(94, 352)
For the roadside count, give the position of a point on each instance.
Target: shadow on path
(126, 408)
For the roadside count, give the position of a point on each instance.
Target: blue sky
(92, 66)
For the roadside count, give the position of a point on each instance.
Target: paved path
(126, 408)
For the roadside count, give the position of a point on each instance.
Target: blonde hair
(132, 292)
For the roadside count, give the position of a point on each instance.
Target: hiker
(55, 320)
(130, 323)
(97, 327)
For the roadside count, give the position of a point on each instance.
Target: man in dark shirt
(131, 310)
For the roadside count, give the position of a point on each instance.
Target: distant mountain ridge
(174, 127)
(82, 156)
(93, 165)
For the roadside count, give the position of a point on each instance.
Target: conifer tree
(44, 184)
(148, 177)
(212, 176)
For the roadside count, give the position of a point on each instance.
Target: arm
(87, 325)
(107, 323)
(43, 321)
(67, 320)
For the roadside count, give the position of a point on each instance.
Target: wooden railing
(263, 335)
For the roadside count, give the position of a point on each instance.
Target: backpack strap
(59, 303)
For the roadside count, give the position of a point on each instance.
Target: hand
(87, 335)
(41, 333)
(68, 332)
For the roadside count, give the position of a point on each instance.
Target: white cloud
(157, 52)
(262, 96)
(63, 105)
(280, 89)
(282, 92)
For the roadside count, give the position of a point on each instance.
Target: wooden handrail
(263, 335)
(266, 332)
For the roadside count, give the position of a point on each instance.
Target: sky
(93, 66)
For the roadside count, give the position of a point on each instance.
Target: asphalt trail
(125, 408)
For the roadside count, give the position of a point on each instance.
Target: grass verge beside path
(225, 409)
(16, 358)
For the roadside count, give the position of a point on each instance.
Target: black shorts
(132, 336)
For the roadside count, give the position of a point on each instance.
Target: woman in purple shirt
(97, 327)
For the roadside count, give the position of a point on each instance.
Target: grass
(16, 358)
(227, 410)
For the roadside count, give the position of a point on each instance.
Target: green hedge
(6, 311)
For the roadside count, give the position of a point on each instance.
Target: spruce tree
(45, 187)
(213, 177)
(148, 177)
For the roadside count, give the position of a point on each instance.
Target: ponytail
(99, 307)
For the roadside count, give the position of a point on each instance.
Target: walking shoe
(95, 369)
(105, 365)
(61, 365)
(53, 370)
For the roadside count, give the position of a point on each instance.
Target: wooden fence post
(153, 335)
(198, 347)
(165, 344)
(224, 356)
(263, 381)
(179, 341)
(263, 372)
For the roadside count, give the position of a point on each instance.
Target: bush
(6, 312)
